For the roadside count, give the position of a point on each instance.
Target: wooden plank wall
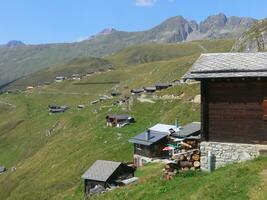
(236, 111)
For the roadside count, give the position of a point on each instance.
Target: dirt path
(202, 47)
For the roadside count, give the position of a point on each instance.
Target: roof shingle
(101, 170)
(224, 65)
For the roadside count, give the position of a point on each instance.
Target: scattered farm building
(94, 102)
(2, 169)
(137, 91)
(150, 145)
(119, 120)
(151, 89)
(106, 174)
(81, 106)
(162, 86)
(29, 87)
(57, 109)
(114, 94)
(233, 105)
(76, 77)
(60, 78)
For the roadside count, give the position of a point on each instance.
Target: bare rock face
(253, 40)
(179, 29)
(213, 22)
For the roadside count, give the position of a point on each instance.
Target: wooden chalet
(57, 109)
(150, 144)
(137, 91)
(150, 89)
(233, 99)
(60, 78)
(104, 174)
(2, 169)
(119, 120)
(162, 86)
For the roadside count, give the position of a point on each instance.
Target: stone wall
(224, 153)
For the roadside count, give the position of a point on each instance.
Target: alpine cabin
(233, 105)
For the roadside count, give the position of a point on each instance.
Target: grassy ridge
(237, 181)
(80, 66)
(159, 52)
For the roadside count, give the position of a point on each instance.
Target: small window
(265, 109)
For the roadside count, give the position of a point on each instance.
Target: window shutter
(265, 109)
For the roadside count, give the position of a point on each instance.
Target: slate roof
(101, 170)
(119, 116)
(150, 88)
(192, 129)
(228, 65)
(141, 138)
(137, 90)
(162, 84)
(163, 128)
(2, 169)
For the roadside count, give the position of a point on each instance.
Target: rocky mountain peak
(213, 21)
(15, 43)
(107, 31)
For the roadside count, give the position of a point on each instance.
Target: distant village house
(137, 91)
(119, 120)
(57, 109)
(2, 169)
(151, 89)
(60, 78)
(162, 86)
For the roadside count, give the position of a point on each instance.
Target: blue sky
(49, 21)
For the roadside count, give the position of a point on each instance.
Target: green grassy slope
(49, 165)
(159, 52)
(80, 66)
(237, 181)
(155, 54)
(21, 61)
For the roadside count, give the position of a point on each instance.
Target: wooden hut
(150, 89)
(119, 120)
(233, 105)
(162, 86)
(148, 145)
(2, 169)
(105, 174)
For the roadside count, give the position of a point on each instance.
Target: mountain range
(18, 59)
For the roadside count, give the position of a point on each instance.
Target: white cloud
(145, 2)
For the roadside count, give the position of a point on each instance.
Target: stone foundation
(224, 153)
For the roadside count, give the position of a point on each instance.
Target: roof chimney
(148, 135)
(176, 123)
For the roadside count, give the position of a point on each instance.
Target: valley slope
(49, 152)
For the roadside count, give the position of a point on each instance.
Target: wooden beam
(205, 110)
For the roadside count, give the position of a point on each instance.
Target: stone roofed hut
(162, 86)
(233, 105)
(149, 145)
(105, 173)
(2, 169)
(119, 120)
